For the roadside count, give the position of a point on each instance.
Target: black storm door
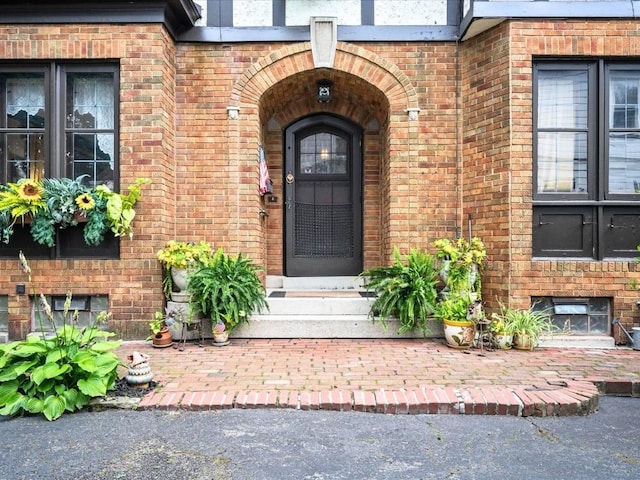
(323, 192)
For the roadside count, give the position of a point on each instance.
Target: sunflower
(30, 191)
(85, 201)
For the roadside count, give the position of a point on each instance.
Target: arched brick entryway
(279, 89)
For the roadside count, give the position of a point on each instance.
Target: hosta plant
(57, 373)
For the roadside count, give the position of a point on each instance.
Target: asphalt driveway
(279, 444)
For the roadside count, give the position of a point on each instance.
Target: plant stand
(183, 331)
(191, 327)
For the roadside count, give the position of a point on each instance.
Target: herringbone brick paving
(386, 376)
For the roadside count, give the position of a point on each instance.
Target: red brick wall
(146, 56)
(469, 152)
(498, 138)
(485, 173)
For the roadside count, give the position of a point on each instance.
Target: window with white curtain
(586, 182)
(59, 120)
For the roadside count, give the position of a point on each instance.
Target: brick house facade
(446, 125)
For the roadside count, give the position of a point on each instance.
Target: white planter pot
(502, 342)
(179, 277)
(459, 334)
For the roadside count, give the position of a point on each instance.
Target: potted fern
(228, 290)
(405, 290)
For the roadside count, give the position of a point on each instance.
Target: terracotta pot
(459, 334)
(162, 339)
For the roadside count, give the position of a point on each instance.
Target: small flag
(265, 185)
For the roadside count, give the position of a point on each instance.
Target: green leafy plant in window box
(54, 373)
(57, 203)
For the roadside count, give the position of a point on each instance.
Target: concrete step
(314, 283)
(577, 341)
(324, 326)
(319, 306)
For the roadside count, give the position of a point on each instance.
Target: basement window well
(4, 314)
(578, 316)
(87, 306)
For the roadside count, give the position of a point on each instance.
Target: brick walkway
(386, 376)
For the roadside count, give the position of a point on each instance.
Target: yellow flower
(30, 191)
(85, 201)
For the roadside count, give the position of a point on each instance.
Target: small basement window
(4, 314)
(87, 306)
(579, 316)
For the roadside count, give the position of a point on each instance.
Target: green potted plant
(462, 263)
(458, 312)
(228, 290)
(161, 336)
(527, 326)
(178, 259)
(501, 328)
(405, 290)
(57, 203)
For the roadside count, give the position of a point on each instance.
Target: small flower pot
(220, 338)
(502, 341)
(523, 342)
(162, 339)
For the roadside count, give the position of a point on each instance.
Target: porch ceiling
(351, 96)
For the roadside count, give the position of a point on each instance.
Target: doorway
(323, 197)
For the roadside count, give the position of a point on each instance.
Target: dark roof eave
(176, 15)
(484, 15)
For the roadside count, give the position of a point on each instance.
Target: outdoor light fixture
(324, 91)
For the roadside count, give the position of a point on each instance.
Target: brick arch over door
(246, 132)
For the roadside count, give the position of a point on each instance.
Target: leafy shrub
(60, 373)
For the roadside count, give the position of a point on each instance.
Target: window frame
(597, 200)
(590, 130)
(69, 242)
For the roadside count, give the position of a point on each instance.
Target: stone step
(315, 305)
(577, 341)
(314, 283)
(324, 326)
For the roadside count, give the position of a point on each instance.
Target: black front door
(323, 197)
